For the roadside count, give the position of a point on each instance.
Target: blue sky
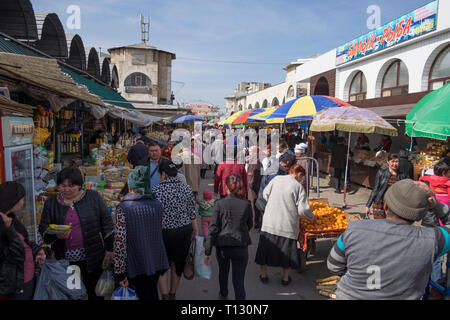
(270, 32)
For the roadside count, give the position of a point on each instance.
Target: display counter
(362, 174)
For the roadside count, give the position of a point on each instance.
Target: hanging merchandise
(40, 136)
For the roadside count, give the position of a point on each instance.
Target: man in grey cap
(389, 258)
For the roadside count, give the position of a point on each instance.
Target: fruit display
(328, 218)
(431, 155)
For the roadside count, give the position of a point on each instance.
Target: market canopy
(351, 119)
(188, 118)
(303, 108)
(108, 96)
(430, 117)
(45, 73)
(263, 115)
(244, 117)
(233, 117)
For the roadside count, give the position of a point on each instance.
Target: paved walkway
(302, 286)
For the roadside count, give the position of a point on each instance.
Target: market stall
(351, 119)
(430, 118)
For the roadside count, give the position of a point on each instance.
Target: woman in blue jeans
(231, 222)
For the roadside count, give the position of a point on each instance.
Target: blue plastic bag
(124, 294)
(56, 281)
(201, 269)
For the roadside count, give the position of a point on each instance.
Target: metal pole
(346, 171)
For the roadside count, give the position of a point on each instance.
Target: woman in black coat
(229, 233)
(17, 253)
(386, 176)
(91, 231)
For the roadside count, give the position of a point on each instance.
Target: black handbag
(189, 271)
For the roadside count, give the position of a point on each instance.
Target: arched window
(240, 107)
(358, 87)
(249, 106)
(440, 71)
(290, 92)
(275, 102)
(138, 83)
(257, 105)
(264, 105)
(395, 80)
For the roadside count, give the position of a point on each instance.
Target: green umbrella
(213, 120)
(430, 117)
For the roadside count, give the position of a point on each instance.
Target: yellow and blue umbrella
(303, 108)
(263, 115)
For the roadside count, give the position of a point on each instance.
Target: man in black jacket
(338, 162)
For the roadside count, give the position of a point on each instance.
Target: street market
(152, 200)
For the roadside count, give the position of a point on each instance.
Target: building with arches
(396, 76)
(388, 77)
(254, 95)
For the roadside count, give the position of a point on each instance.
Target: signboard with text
(409, 26)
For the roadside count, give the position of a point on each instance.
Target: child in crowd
(205, 210)
(440, 182)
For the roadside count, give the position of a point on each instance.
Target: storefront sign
(22, 128)
(409, 26)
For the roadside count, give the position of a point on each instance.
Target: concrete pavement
(302, 286)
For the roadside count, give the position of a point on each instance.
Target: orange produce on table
(328, 218)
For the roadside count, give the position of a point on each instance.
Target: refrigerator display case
(17, 138)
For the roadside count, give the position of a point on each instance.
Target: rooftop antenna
(145, 29)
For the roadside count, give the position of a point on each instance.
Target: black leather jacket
(12, 259)
(441, 211)
(231, 222)
(381, 185)
(96, 225)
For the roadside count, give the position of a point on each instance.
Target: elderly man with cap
(389, 258)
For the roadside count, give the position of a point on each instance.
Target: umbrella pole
(346, 171)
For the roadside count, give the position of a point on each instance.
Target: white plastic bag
(105, 285)
(201, 269)
(124, 294)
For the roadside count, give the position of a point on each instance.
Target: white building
(260, 95)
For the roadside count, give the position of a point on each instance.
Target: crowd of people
(149, 239)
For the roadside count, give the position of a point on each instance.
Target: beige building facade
(145, 74)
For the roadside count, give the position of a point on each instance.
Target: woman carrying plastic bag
(201, 269)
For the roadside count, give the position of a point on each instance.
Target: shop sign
(22, 128)
(409, 26)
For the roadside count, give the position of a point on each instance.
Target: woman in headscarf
(17, 253)
(139, 253)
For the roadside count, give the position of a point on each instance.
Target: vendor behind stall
(362, 142)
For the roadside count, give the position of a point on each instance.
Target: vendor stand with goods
(351, 119)
(430, 118)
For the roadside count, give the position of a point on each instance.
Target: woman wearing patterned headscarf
(139, 253)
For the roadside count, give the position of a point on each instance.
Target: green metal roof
(9, 46)
(107, 95)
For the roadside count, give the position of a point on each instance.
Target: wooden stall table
(363, 174)
(324, 159)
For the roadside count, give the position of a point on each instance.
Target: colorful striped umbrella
(233, 117)
(303, 108)
(243, 118)
(263, 115)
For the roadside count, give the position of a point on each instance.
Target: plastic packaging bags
(124, 294)
(105, 285)
(59, 281)
(201, 269)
